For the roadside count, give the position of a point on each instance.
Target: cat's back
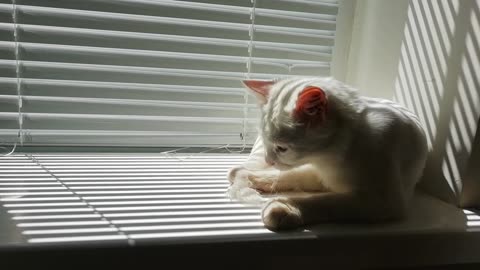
(394, 135)
(385, 114)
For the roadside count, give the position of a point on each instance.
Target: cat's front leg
(281, 214)
(304, 178)
(255, 162)
(267, 181)
(295, 211)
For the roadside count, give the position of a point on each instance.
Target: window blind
(150, 73)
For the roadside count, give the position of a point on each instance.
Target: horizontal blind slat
(133, 86)
(6, 115)
(179, 104)
(126, 5)
(41, 69)
(145, 58)
(79, 105)
(142, 138)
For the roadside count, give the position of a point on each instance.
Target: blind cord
(243, 135)
(251, 34)
(20, 137)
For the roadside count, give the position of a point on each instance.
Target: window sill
(435, 233)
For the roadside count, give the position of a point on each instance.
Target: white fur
(363, 163)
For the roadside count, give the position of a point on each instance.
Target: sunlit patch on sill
(125, 198)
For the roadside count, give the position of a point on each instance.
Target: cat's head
(296, 119)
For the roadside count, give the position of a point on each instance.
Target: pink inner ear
(311, 105)
(260, 87)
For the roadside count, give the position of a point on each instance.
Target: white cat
(362, 157)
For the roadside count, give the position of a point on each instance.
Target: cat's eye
(280, 149)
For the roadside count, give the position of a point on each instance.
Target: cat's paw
(237, 172)
(263, 181)
(280, 214)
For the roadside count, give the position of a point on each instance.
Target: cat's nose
(269, 161)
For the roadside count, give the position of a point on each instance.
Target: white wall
(375, 49)
(425, 55)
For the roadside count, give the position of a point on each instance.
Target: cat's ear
(311, 106)
(260, 89)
